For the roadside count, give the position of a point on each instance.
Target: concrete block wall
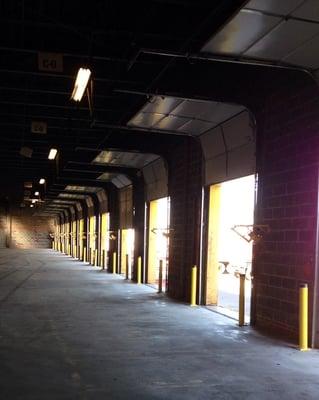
(138, 222)
(27, 231)
(3, 227)
(184, 186)
(288, 188)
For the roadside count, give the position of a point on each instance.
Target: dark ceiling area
(125, 45)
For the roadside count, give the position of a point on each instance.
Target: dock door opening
(105, 239)
(127, 250)
(92, 238)
(231, 215)
(158, 242)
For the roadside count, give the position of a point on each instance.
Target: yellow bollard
(84, 254)
(241, 316)
(139, 270)
(194, 286)
(114, 262)
(303, 317)
(126, 266)
(160, 277)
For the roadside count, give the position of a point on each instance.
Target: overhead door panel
(126, 207)
(229, 150)
(155, 177)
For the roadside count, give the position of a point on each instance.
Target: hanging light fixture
(52, 154)
(80, 85)
(42, 181)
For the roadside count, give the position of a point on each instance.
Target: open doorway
(127, 251)
(92, 239)
(104, 239)
(231, 216)
(158, 242)
(73, 239)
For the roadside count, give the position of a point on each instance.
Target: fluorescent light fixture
(80, 85)
(42, 181)
(36, 193)
(31, 205)
(52, 154)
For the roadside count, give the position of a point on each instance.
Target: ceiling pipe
(101, 124)
(223, 59)
(100, 167)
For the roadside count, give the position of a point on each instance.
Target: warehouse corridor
(70, 331)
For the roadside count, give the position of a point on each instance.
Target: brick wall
(184, 185)
(3, 226)
(288, 167)
(138, 222)
(27, 231)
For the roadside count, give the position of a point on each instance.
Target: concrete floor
(69, 331)
(228, 297)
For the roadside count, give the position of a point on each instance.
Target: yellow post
(139, 270)
(160, 277)
(84, 254)
(303, 317)
(126, 266)
(114, 262)
(241, 317)
(194, 286)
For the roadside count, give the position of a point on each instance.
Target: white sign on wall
(39, 127)
(50, 62)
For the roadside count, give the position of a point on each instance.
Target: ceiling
(284, 32)
(127, 124)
